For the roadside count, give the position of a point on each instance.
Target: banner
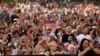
(49, 24)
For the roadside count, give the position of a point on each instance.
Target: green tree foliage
(97, 2)
(8, 1)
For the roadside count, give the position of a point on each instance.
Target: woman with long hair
(86, 48)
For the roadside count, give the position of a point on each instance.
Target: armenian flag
(49, 24)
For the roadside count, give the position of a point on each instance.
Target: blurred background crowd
(49, 28)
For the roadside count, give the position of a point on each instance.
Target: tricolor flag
(49, 24)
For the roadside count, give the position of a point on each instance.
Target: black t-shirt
(68, 38)
(90, 53)
(13, 17)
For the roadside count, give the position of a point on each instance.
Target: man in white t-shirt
(84, 35)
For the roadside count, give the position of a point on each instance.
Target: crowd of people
(23, 31)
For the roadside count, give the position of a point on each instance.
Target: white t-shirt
(14, 52)
(82, 36)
